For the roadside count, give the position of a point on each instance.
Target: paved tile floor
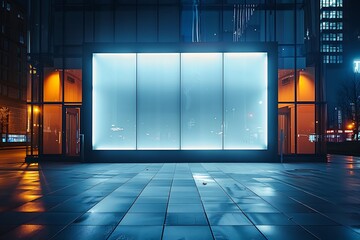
(181, 201)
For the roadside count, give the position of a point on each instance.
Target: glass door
(72, 122)
(284, 130)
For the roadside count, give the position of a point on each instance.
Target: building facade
(13, 73)
(175, 80)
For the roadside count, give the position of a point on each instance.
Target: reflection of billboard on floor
(174, 101)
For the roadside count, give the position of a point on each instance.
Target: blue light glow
(158, 100)
(114, 104)
(185, 101)
(245, 100)
(201, 111)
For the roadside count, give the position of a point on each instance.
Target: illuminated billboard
(180, 101)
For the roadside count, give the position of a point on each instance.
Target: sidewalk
(181, 200)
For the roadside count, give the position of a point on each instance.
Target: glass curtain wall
(60, 28)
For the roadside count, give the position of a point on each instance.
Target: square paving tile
(179, 208)
(137, 233)
(333, 232)
(33, 232)
(270, 219)
(148, 207)
(229, 218)
(187, 233)
(285, 232)
(54, 218)
(84, 232)
(145, 219)
(189, 219)
(236, 232)
(99, 219)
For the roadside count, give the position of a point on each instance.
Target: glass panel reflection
(245, 100)
(114, 102)
(158, 84)
(201, 96)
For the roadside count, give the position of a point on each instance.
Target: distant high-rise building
(13, 72)
(331, 31)
(340, 50)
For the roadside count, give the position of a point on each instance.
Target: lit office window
(339, 26)
(326, 59)
(325, 37)
(339, 59)
(339, 36)
(331, 3)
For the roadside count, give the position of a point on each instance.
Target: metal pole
(82, 147)
(281, 145)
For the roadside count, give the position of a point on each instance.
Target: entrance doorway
(284, 121)
(72, 121)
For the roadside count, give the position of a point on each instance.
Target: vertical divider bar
(180, 101)
(136, 101)
(223, 102)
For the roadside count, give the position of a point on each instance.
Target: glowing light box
(179, 101)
